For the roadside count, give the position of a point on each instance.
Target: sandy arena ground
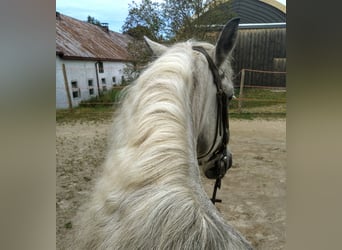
(253, 191)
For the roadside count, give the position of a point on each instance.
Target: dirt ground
(253, 192)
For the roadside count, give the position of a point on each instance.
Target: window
(76, 92)
(90, 83)
(101, 67)
(104, 86)
(114, 79)
(91, 87)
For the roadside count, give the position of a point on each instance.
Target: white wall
(81, 71)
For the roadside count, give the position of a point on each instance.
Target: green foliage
(174, 20)
(180, 18)
(137, 50)
(170, 21)
(94, 21)
(139, 32)
(144, 19)
(68, 225)
(216, 13)
(107, 98)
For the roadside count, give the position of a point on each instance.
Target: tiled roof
(77, 39)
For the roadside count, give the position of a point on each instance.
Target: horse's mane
(153, 118)
(149, 195)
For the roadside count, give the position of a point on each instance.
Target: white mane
(149, 195)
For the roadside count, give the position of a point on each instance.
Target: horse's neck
(152, 170)
(162, 132)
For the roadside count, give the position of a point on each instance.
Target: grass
(252, 116)
(95, 109)
(259, 98)
(260, 103)
(96, 114)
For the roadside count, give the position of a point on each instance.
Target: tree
(139, 32)
(216, 13)
(175, 19)
(170, 21)
(193, 18)
(141, 56)
(181, 17)
(94, 21)
(145, 18)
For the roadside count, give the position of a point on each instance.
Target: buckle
(221, 166)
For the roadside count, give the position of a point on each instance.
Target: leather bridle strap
(222, 111)
(221, 165)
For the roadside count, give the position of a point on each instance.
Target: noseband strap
(222, 126)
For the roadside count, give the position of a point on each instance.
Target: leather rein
(219, 154)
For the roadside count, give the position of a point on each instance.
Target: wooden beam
(66, 86)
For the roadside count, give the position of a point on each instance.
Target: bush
(107, 98)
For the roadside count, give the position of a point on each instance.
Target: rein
(221, 164)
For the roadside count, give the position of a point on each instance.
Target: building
(261, 44)
(90, 59)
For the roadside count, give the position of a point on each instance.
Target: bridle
(219, 154)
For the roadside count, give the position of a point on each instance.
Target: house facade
(90, 59)
(85, 79)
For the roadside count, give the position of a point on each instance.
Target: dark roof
(77, 39)
(254, 11)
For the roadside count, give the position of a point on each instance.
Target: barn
(261, 45)
(90, 59)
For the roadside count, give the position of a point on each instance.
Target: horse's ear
(226, 41)
(156, 48)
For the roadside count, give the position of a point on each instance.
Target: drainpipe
(97, 79)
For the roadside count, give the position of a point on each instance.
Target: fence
(253, 99)
(258, 98)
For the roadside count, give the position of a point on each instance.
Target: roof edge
(261, 25)
(275, 4)
(91, 58)
(219, 27)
